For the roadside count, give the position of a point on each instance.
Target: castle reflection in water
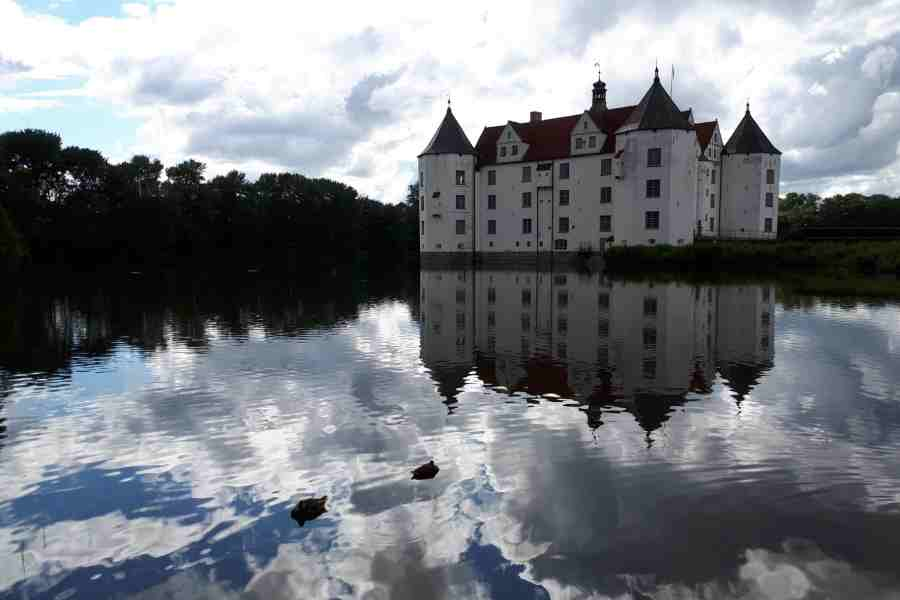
(601, 344)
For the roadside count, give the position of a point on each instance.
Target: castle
(633, 175)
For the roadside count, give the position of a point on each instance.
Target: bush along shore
(835, 258)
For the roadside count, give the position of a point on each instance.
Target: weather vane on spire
(597, 66)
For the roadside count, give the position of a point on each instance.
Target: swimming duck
(426, 471)
(309, 509)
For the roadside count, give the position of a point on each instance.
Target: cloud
(11, 67)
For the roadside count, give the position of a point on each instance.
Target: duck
(426, 471)
(309, 509)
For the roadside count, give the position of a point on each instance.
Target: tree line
(69, 205)
(799, 212)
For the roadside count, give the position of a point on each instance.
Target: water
(595, 439)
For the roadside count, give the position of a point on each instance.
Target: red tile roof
(705, 132)
(550, 139)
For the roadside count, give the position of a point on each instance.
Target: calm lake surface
(595, 439)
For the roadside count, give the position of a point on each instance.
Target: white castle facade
(634, 175)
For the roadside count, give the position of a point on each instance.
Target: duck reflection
(640, 346)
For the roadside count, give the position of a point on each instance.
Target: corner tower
(447, 192)
(751, 172)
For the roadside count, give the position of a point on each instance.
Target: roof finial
(748, 106)
(599, 72)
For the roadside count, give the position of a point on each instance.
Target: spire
(598, 101)
(656, 110)
(748, 138)
(449, 137)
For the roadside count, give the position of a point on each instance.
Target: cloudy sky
(353, 91)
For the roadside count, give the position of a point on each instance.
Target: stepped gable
(550, 139)
(449, 138)
(656, 110)
(705, 133)
(748, 138)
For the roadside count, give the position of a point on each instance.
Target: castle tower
(751, 171)
(447, 192)
(657, 183)
(598, 100)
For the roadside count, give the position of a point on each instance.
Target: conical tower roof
(449, 138)
(656, 110)
(748, 138)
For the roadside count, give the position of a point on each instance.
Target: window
(515, 149)
(651, 219)
(422, 178)
(562, 299)
(712, 224)
(460, 227)
(502, 150)
(526, 226)
(460, 202)
(603, 300)
(492, 177)
(650, 337)
(526, 297)
(770, 176)
(562, 351)
(765, 318)
(492, 295)
(649, 368)
(460, 178)
(422, 228)
(561, 244)
(508, 135)
(654, 157)
(560, 280)
(605, 195)
(605, 223)
(651, 307)
(767, 226)
(492, 227)
(712, 200)
(563, 170)
(491, 318)
(712, 176)
(579, 143)
(526, 347)
(592, 141)
(563, 197)
(461, 296)
(603, 328)
(492, 202)
(422, 203)
(526, 199)
(770, 199)
(526, 174)
(564, 224)
(526, 322)
(653, 188)
(606, 166)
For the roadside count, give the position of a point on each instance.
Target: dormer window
(502, 150)
(508, 135)
(579, 143)
(592, 141)
(515, 149)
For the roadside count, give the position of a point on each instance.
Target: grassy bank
(838, 258)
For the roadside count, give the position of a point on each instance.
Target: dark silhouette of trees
(797, 212)
(69, 205)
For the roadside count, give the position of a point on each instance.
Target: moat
(595, 438)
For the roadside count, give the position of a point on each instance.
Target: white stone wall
(438, 215)
(744, 193)
(678, 188)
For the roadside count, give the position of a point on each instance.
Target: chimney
(535, 116)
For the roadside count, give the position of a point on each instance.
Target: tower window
(526, 226)
(564, 224)
(422, 228)
(492, 177)
(712, 176)
(460, 227)
(605, 195)
(770, 176)
(492, 202)
(654, 157)
(564, 170)
(712, 200)
(526, 199)
(606, 166)
(563, 197)
(651, 219)
(526, 174)
(605, 223)
(653, 188)
(460, 202)
(770, 199)
(460, 178)
(492, 227)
